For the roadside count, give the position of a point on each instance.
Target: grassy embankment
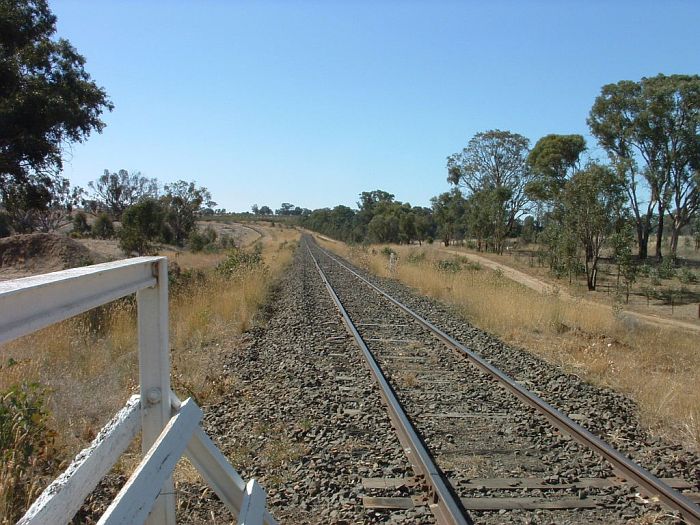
(85, 368)
(658, 367)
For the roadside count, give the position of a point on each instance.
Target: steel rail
(625, 467)
(445, 505)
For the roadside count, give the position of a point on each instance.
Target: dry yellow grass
(659, 368)
(89, 363)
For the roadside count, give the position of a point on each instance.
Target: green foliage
(38, 202)
(142, 226)
(551, 161)
(238, 261)
(200, 241)
(654, 121)
(115, 192)
(380, 219)
(666, 270)
(388, 251)
(448, 265)
(26, 447)
(197, 241)
(493, 169)
(687, 276)
(183, 202)
(622, 241)
(103, 227)
(226, 241)
(415, 257)
(591, 211)
(47, 101)
(448, 211)
(80, 224)
(183, 281)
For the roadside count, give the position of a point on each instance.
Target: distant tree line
(572, 204)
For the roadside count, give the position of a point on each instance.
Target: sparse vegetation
(97, 352)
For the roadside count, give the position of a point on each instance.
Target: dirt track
(546, 288)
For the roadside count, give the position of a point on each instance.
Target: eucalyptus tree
(448, 212)
(47, 102)
(494, 164)
(592, 211)
(114, 192)
(552, 160)
(650, 130)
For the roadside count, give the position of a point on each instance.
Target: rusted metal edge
(446, 509)
(623, 465)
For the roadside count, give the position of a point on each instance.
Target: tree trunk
(642, 240)
(659, 235)
(676, 227)
(591, 273)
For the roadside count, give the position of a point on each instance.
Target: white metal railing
(169, 428)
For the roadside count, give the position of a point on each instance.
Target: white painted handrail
(168, 428)
(65, 495)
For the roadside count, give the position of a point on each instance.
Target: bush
(666, 270)
(415, 257)
(238, 261)
(197, 241)
(5, 222)
(80, 224)
(142, 226)
(226, 241)
(103, 227)
(687, 276)
(644, 270)
(448, 265)
(387, 251)
(27, 451)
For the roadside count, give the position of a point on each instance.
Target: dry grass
(89, 363)
(659, 368)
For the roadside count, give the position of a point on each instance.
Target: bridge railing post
(154, 378)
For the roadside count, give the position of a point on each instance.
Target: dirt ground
(24, 255)
(36, 253)
(242, 235)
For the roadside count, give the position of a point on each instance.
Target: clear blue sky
(314, 102)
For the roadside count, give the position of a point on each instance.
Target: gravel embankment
(608, 414)
(304, 418)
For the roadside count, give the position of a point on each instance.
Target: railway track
(483, 447)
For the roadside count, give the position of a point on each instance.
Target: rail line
(444, 503)
(447, 507)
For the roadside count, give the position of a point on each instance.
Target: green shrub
(666, 270)
(80, 224)
(197, 241)
(226, 241)
(415, 257)
(387, 251)
(103, 227)
(687, 276)
(448, 265)
(238, 261)
(27, 453)
(142, 226)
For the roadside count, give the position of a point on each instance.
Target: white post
(154, 378)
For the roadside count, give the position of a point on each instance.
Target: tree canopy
(551, 161)
(650, 130)
(47, 99)
(494, 165)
